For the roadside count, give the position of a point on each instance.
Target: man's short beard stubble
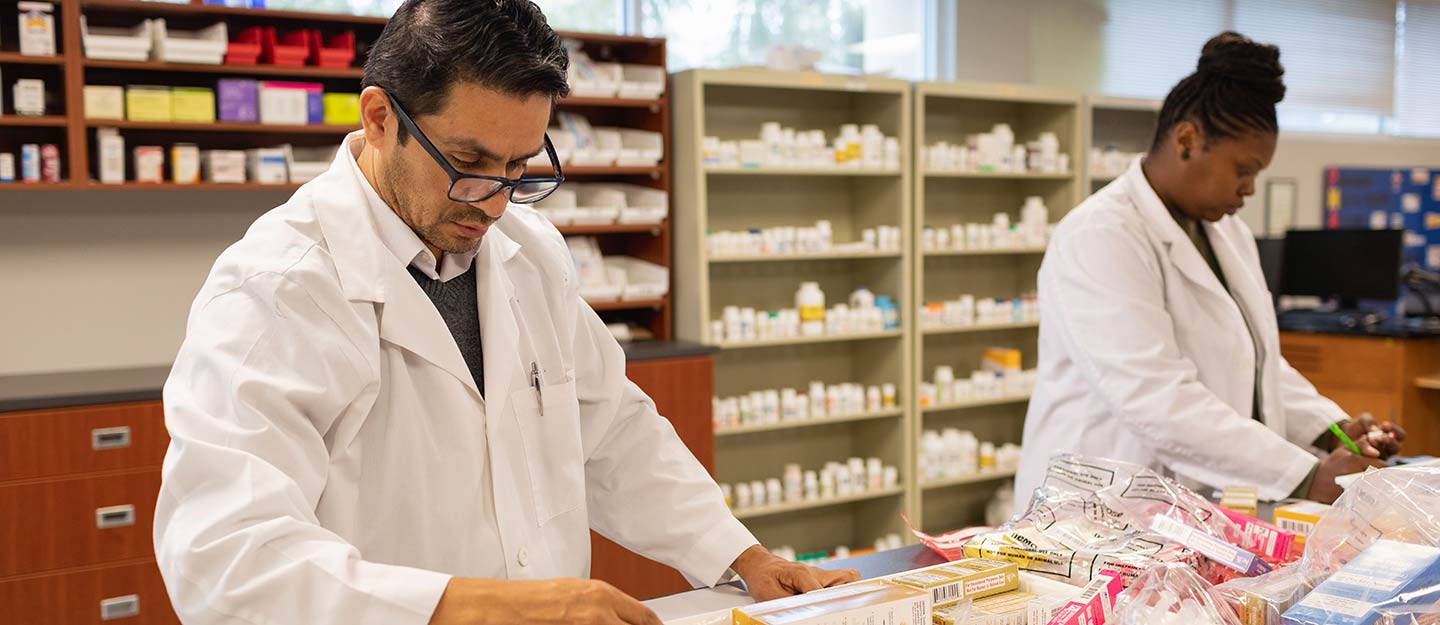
(431, 233)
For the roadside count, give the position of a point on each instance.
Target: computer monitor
(1348, 264)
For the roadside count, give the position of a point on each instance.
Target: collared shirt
(398, 237)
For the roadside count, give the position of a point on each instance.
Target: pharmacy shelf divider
(949, 112)
(805, 423)
(732, 105)
(1126, 124)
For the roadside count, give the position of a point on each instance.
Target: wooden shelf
(1014, 251)
(810, 340)
(786, 508)
(1429, 382)
(276, 129)
(977, 478)
(782, 258)
(988, 327)
(998, 175)
(627, 305)
(163, 8)
(978, 403)
(779, 171)
(572, 171)
(198, 186)
(15, 58)
(43, 121)
(612, 229)
(805, 423)
(610, 103)
(37, 186)
(248, 70)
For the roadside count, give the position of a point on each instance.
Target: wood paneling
(74, 597)
(682, 389)
(52, 443)
(1374, 375)
(52, 524)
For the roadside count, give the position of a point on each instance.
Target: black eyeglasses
(471, 188)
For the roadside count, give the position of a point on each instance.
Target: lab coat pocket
(553, 452)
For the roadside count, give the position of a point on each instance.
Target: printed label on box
(1331, 603)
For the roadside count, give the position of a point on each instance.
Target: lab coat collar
(1160, 222)
(369, 272)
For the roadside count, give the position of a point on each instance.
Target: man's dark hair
(1234, 90)
(430, 45)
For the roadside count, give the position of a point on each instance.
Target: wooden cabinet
(68, 441)
(682, 389)
(1374, 375)
(130, 593)
(85, 520)
(77, 506)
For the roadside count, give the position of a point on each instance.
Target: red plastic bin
(245, 48)
(289, 50)
(339, 52)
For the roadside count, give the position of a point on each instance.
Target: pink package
(1261, 537)
(1095, 604)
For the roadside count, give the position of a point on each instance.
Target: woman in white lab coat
(1158, 339)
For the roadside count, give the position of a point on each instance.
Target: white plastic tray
(603, 83)
(640, 148)
(642, 82)
(643, 280)
(117, 44)
(205, 46)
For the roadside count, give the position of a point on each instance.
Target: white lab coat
(1145, 357)
(330, 450)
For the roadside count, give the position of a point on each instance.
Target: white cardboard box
(110, 147)
(104, 102)
(37, 28)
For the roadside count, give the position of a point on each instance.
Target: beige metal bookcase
(1128, 124)
(948, 112)
(732, 105)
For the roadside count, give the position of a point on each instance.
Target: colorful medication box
(239, 100)
(1370, 589)
(104, 102)
(145, 103)
(1300, 518)
(194, 105)
(342, 109)
(1094, 605)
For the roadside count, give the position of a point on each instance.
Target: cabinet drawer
(128, 594)
(69, 441)
(77, 522)
(1343, 361)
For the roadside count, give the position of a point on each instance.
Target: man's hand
(768, 576)
(545, 602)
(1385, 437)
(1339, 462)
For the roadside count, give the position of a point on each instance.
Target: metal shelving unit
(1128, 124)
(732, 104)
(949, 112)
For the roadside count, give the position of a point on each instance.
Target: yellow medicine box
(104, 102)
(1001, 359)
(149, 104)
(877, 602)
(973, 578)
(193, 104)
(1011, 608)
(1242, 499)
(342, 109)
(1300, 518)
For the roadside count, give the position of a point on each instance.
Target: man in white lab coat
(392, 406)
(1158, 339)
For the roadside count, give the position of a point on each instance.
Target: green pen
(1340, 434)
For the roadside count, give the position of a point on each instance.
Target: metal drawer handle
(110, 438)
(119, 607)
(115, 516)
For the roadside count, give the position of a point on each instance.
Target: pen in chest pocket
(536, 382)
